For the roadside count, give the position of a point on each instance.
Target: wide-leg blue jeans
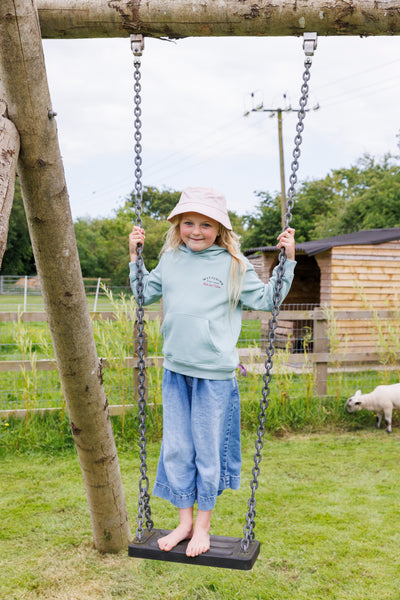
(200, 452)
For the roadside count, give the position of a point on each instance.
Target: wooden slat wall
(352, 278)
(364, 277)
(263, 264)
(324, 263)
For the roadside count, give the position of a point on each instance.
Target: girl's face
(197, 231)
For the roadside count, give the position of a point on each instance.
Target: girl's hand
(136, 237)
(286, 240)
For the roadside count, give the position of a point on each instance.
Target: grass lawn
(12, 303)
(328, 517)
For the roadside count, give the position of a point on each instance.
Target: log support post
(9, 150)
(52, 234)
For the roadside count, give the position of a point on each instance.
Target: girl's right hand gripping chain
(137, 236)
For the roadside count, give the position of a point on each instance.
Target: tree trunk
(182, 18)
(9, 149)
(53, 240)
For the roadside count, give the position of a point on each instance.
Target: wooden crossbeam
(183, 18)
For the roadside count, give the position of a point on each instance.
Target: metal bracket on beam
(310, 43)
(137, 44)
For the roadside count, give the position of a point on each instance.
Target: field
(292, 391)
(328, 519)
(15, 302)
(327, 503)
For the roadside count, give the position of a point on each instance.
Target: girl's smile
(197, 231)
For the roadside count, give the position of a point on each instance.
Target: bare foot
(182, 532)
(199, 543)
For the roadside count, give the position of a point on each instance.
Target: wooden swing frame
(23, 24)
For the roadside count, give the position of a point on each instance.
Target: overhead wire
(358, 90)
(164, 168)
(191, 154)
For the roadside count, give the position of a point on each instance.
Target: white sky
(195, 93)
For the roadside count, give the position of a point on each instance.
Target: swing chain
(273, 323)
(298, 140)
(144, 510)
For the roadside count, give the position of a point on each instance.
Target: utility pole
(281, 167)
(278, 112)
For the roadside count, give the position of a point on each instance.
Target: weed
(337, 345)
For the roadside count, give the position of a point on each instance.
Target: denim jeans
(200, 452)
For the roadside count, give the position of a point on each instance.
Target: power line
(278, 111)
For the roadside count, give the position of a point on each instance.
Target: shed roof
(359, 238)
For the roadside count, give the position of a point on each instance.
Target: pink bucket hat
(205, 201)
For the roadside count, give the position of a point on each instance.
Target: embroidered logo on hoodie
(211, 281)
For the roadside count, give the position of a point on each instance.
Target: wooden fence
(319, 355)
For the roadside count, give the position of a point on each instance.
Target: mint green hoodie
(200, 330)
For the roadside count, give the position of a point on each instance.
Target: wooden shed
(355, 271)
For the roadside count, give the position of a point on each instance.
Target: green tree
(363, 196)
(262, 226)
(103, 243)
(91, 247)
(318, 204)
(103, 248)
(157, 203)
(375, 203)
(18, 258)
(155, 228)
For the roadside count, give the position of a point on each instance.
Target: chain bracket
(137, 44)
(310, 42)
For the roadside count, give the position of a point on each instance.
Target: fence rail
(24, 291)
(317, 357)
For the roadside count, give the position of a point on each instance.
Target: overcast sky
(195, 93)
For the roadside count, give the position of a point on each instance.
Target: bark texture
(9, 149)
(53, 240)
(182, 18)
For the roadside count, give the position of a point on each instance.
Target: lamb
(383, 399)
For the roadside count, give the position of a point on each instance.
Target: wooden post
(54, 245)
(321, 345)
(9, 150)
(182, 18)
(281, 169)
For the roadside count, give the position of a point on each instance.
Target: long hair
(226, 239)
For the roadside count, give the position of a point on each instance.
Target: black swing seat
(224, 552)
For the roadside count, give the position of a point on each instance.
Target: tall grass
(114, 342)
(283, 375)
(337, 345)
(154, 375)
(24, 343)
(307, 368)
(386, 335)
(387, 343)
(293, 403)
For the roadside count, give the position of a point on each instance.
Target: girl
(204, 280)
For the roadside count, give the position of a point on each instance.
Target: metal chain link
(144, 510)
(248, 529)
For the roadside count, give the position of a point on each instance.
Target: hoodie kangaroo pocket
(188, 340)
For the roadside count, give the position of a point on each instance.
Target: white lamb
(383, 399)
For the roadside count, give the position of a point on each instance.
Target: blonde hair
(226, 238)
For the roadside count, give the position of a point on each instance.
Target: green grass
(328, 518)
(12, 303)
(15, 302)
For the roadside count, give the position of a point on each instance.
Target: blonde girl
(204, 280)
